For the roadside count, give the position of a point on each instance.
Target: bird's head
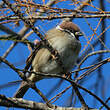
(71, 28)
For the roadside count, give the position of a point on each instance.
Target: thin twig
(93, 53)
(12, 67)
(41, 94)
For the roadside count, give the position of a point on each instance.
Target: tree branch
(20, 103)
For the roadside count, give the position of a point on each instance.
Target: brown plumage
(63, 39)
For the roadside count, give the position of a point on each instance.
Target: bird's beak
(79, 33)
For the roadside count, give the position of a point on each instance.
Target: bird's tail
(22, 90)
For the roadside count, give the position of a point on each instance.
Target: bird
(64, 38)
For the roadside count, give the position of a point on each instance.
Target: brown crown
(69, 26)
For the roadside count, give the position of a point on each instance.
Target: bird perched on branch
(65, 40)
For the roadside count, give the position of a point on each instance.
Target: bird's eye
(79, 33)
(69, 31)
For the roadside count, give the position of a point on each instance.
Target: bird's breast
(68, 49)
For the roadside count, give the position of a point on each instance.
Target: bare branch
(20, 103)
(54, 16)
(93, 53)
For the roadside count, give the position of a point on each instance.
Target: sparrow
(64, 38)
